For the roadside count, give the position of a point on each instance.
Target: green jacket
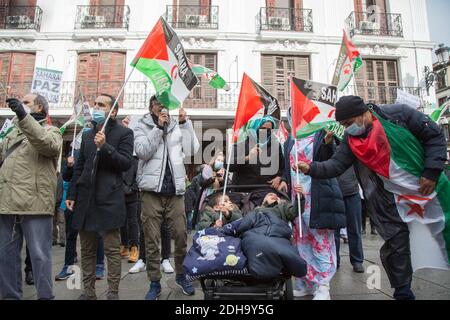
(28, 175)
(285, 210)
(209, 217)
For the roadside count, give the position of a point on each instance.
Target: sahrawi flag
(397, 157)
(163, 60)
(348, 63)
(78, 116)
(313, 107)
(252, 99)
(215, 80)
(439, 113)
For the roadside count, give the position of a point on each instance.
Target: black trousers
(129, 233)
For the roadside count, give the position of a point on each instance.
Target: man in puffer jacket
(161, 145)
(266, 240)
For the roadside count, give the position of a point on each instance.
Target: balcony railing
(20, 17)
(381, 95)
(137, 94)
(286, 19)
(375, 24)
(102, 17)
(193, 17)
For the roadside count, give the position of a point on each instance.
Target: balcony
(193, 17)
(102, 17)
(20, 17)
(285, 19)
(137, 94)
(375, 24)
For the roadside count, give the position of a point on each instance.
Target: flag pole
(226, 179)
(117, 100)
(298, 194)
(77, 115)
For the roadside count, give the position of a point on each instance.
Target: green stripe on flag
(311, 128)
(408, 154)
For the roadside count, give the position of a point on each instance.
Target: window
(17, 11)
(111, 12)
(378, 81)
(100, 72)
(16, 73)
(203, 95)
(276, 71)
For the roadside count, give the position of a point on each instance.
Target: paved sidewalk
(427, 284)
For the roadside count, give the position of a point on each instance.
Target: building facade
(94, 42)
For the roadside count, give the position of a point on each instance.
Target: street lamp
(431, 76)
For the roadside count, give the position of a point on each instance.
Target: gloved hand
(17, 107)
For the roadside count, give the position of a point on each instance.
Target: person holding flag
(399, 155)
(96, 194)
(324, 212)
(161, 144)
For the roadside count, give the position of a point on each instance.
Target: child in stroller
(261, 204)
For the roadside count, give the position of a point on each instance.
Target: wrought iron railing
(137, 94)
(285, 19)
(193, 17)
(102, 17)
(376, 24)
(20, 17)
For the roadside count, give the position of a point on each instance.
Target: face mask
(218, 165)
(98, 116)
(356, 130)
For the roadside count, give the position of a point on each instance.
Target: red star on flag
(415, 209)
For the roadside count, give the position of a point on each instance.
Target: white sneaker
(167, 267)
(303, 293)
(138, 267)
(323, 293)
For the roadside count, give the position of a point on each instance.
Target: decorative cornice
(99, 44)
(17, 44)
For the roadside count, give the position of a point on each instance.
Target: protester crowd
(125, 194)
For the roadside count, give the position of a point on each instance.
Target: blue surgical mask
(218, 165)
(356, 130)
(98, 116)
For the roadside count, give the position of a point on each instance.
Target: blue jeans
(353, 212)
(37, 231)
(71, 243)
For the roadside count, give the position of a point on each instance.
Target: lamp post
(431, 76)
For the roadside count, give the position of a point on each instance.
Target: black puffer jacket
(267, 246)
(327, 203)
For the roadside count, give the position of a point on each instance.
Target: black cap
(349, 107)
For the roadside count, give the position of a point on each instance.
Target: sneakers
(303, 293)
(134, 255)
(64, 274)
(185, 285)
(322, 293)
(154, 292)
(138, 267)
(99, 272)
(124, 252)
(166, 266)
(358, 268)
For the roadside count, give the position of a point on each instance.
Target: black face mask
(38, 116)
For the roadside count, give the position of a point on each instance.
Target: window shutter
(358, 12)
(3, 12)
(382, 17)
(21, 73)
(111, 73)
(379, 80)
(5, 61)
(87, 75)
(119, 14)
(298, 15)
(268, 70)
(202, 96)
(205, 8)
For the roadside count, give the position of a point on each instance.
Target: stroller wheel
(288, 290)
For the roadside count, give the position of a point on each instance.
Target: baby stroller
(244, 286)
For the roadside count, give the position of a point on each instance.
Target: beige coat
(28, 175)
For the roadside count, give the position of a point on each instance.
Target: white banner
(47, 83)
(408, 99)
